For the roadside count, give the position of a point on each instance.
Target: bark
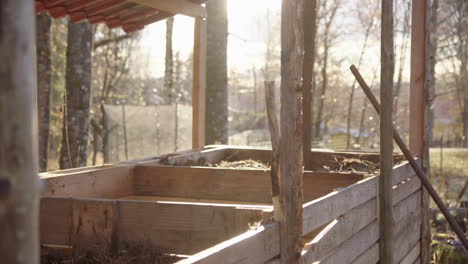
(19, 183)
(43, 56)
(216, 72)
(74, 149)
(291, 160)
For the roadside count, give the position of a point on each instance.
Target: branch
(110, 40)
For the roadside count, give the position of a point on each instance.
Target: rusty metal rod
(412, 161)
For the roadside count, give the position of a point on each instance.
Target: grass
(449, 176)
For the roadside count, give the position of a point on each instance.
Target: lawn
(451, 173)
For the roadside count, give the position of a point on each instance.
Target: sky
(248, 35)
(246, 42)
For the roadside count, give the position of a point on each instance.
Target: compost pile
(356, 165)
(101, 255)
(248, 163)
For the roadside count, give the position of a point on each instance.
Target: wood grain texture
(182, 228)
(340, 230)
(417, 76)
(370, 256)
(248, 185)
(55, 219)
(355, 246)
(291, 150)
(184, 7)
(252, 247)
(329, 207)
(407, 234)
(111, 182)
(19, 232)
(199, 83)
(403, 171)
(412, 255)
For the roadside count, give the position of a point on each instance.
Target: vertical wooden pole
(310, 29)
(417, 78)
(291, 160)
(199, 83)
(386, 133)
(19, 240)
(428, 93)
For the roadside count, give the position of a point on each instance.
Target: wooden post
(291, 160)
(417, 78)
(310, 30)
(386, 134)
(19, 239)
(199, 83)
(428, 94)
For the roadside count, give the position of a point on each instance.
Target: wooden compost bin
(178, 205)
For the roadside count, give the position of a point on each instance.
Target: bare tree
(453, 50)
(44, 65)
(74, 149)
(405, 30)
(328, 10)
(216, 72)
(367, 18)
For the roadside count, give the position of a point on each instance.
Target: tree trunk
(216, 72)
(44, 75)
(19, 183)
(74, 149)
(291, 160)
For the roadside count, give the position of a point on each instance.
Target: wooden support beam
(386, 133)
(417, 133)
(310, 30)
(291, 160)
(417, 77)
(184, 7)
(19, 183)
(199, 84)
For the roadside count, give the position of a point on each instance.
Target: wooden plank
(370, 256)
(199, 83)
(248, 185)
(407, 234)
(19, 186)
(355, 246)
(329, 207)
(412, 255)
(405, 189)
(55, 221)
(182, 228)
(403, 171)
(166, 199)
(417, 76)
(109, 182)
(184, 7)
(254, 246)
(326, 208)
(94, 222)
(408, 205)
(417, 261)
(387, 62)
(198, 158)
(341, 229)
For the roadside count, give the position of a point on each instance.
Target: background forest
(107, 96)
